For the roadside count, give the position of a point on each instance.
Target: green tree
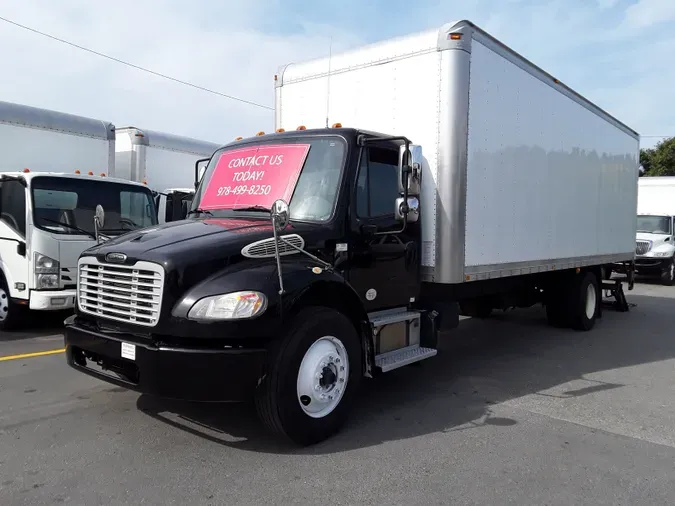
(659, 160)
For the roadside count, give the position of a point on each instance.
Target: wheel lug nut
(337, 360)
(342, 368)
(342, 380)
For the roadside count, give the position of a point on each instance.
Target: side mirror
(412, 158)
(200, 168)
(280, 215)
(413, 211)
(99, 216)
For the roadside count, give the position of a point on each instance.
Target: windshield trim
(230, 213)
(75, 233)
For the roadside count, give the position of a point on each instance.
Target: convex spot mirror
(413, 209)
(280, 214)
(99, 216)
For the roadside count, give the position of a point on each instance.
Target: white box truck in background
(457, 175)
(169, 164)
(54, 171)
(655, 240)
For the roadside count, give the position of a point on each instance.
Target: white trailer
(520, 174)
(54, 170)
(655, 240)
(167, 163)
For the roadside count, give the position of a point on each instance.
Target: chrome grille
(265, 248)
(131, 294)
(642, 247)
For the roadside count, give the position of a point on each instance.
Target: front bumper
(193, 374)
(54, 300)
(651, 264)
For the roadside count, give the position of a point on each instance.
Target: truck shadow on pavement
(40, 324)
(480, 365)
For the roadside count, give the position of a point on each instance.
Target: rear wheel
(576, 304)
(312, 377)
(585, 308)
(668, 274)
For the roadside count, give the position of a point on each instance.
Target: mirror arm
(277, 255)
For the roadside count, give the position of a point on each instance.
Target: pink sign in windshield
(255, 176)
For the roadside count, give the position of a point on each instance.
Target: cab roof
(65, 175)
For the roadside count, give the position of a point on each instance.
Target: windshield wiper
(253, 208)
(71, 227)
(199, 211)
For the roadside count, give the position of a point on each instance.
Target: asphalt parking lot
(510, 412)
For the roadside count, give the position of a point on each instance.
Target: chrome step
(392, 316)
(402, 357)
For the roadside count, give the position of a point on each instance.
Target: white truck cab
(655, 246)
(655, 237)
(46, 222)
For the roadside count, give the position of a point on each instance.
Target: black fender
(305, 283)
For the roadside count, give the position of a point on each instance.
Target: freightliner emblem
(117, 258)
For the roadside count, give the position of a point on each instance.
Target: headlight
(229, 306)
(47, 272)
(47, 281)
(43, 264)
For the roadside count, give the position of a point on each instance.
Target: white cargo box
(49, 141)
(162, 160)
(656, 195)
(521, 173)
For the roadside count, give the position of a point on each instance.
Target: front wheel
(12, 315)
(312, 377)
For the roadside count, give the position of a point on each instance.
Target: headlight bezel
(46, 268)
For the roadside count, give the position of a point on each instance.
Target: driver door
(384, 263)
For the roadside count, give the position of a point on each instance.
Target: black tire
(556, 313)
(579, 299)
(668, 274)
(476, 308)
(12, 315)
(566, 307)
(276, 397)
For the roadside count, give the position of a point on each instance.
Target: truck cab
(655, 246)
(46, 221)
(296, 246)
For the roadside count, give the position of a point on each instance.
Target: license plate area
(103, 365)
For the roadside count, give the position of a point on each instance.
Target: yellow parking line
(30, 355)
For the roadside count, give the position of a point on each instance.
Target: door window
(377, 183)
(13, 206)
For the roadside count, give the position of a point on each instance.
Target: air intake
(266, 249)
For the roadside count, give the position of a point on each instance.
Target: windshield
(654, 224)
(303, 171)
(65, 205)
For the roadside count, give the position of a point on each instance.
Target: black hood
(188, 241)
(193, 249)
